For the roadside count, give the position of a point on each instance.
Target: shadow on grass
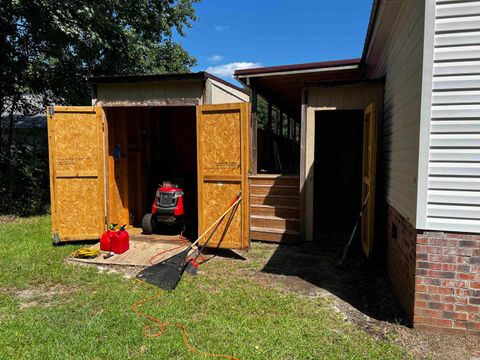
(363, 285)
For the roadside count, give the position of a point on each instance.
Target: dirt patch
(5, 219)
(40, 296)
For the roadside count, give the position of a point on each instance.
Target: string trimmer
(167, 274)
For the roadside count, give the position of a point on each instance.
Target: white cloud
(221, 27)
(228, 69)
(215, 59)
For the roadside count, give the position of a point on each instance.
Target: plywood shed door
(369, 172)
(223, 165)
(75, 142)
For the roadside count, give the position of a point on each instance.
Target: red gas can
(106, 238)
(119, 242)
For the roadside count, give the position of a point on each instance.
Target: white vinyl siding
(400, 61)
(453, 186)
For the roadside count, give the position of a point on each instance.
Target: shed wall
(218, 93)
(400, 61)
(154, 93)
(452, 121)
(353, 97)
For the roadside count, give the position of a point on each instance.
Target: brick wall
(447, 282)
(401, 241)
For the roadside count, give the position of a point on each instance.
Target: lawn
(52, 309)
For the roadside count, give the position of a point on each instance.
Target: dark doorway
(337, 174)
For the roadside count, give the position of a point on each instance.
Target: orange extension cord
(159, 323)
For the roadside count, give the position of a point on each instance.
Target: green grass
(51, 309)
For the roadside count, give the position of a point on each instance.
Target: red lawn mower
(167, 209)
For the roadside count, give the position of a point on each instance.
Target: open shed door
(75, 145)
(223, 165)
(369, 173)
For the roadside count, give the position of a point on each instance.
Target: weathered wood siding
(218, 93)
(453, 140)
(400, 60)
(154, 93)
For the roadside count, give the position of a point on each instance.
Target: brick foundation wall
(447, 282)
(401, 242)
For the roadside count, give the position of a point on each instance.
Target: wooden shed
(107, 159)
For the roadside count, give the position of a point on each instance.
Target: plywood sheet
(218, 196)
(142, 249)
(223, 165)
(220, 138)
(75, 140)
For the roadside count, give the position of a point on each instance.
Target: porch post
(289, 125)
(253, 131)
(280, 123)
(303, 174)
(269, 117)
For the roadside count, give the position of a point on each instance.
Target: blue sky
(250, 33)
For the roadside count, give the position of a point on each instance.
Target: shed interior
(338, 174)
(147, 146)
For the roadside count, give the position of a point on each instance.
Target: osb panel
(77, 208)
(76, 172)
(75, 139)
(220, 137)
(217, 197)
(117, 168)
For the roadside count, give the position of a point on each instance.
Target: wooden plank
(369, 177)
(279, 237)
(143, 248)
(78, 173)
(303, 163)
(227, 178)
(51, 165)
(254, 131)
(274, 222)
(267, 190)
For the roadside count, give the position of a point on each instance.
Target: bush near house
(24, 176)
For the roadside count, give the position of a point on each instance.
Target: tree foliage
(50, 47)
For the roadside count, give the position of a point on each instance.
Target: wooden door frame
(305, 226)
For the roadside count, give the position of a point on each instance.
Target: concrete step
(274, 222)
(279, 211)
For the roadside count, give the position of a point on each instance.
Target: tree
(50, 47)
(48, 50)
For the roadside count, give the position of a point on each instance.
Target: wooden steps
(274, 211)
